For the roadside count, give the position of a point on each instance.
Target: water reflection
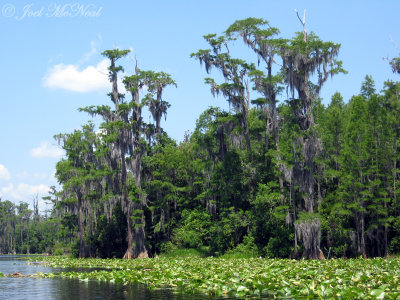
(67, 289)
(102, 290)
(28, 288)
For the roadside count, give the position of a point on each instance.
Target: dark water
(28, 288)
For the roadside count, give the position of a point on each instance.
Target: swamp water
(31, 288)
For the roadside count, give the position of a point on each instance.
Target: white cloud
(7, 190)
(83, 79)
(46, 150)
(40, 176)
(4, 174)
(72, 78)
(23, 191)
(88, 55)
(26, 193)
(22, 175)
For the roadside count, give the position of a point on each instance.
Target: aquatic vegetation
(337, 278)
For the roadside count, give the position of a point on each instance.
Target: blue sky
(51, 63)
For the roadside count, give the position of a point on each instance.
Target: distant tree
(24, 216)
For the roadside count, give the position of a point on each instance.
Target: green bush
(168, 247)
(277, 247)
(75, 249)
(194, 231)
(247, 249)
(229, 231)
(395, 245)
(60, 249)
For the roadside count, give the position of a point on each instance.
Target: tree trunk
(140, 250)
(309, 230)
(310, 233)
(362, 246)
(358, 233)
(82, 252)
(158, 126)
(395, 166)
(246, 130)
(267, 134)
(295, 252)
(114, 80)
(27, 246)
(292, 198)
(21, 238)
(319, 192)
(129, 238)
(385, 240)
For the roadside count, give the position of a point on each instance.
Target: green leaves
(353, 278)
(115, 54)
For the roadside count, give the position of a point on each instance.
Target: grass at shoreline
(336, 278)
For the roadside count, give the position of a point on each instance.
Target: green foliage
(246, 249)
(254, 277)
(240, 183)
(229, 231)
(194, 231)
(59, 249)
(395, 63)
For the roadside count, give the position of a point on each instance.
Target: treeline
(278, 175)
(23, 230)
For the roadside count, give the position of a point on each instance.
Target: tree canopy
(279, 174)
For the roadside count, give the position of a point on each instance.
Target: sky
(51, 64)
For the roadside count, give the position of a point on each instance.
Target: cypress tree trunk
(362, 241)
(246, 130)
(129, 238)
(140, 250)
(82, 252)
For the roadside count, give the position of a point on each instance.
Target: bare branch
(303, 23)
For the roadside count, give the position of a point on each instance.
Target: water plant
(336, 278)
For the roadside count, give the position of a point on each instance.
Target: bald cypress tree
(118, 128)
(262, 38)
(77, 174)
(156, 83)
(306, 63)
(306, 58)
(235, 71)
(125, 135)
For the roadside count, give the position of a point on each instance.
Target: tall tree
(136, 148)
(75, 172)
(259, 36)
(355, 157)
(303, 56)
(156, 83)
(127, 141)
(235, 72)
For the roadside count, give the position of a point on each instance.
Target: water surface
(30, 288)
